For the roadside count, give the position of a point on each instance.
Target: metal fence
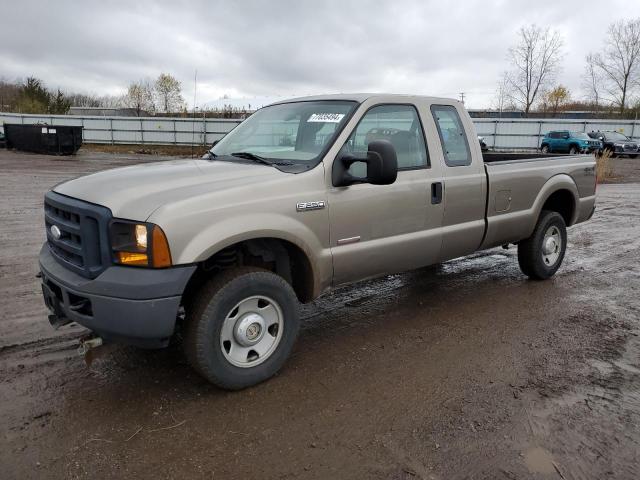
(499, 133)
(136, 130)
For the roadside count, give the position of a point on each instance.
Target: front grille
(82, 243)
(630, 147)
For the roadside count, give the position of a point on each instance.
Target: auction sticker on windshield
(326, 117)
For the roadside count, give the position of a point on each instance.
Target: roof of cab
(361, 97)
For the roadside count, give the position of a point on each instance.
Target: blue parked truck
(565, 141)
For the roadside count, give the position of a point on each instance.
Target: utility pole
(462, 94)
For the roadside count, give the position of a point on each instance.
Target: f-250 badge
(306, 206)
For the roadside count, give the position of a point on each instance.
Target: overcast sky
(260, 50)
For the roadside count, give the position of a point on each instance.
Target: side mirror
(382, 166)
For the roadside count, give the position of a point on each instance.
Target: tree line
(163, 95)
(611, 78)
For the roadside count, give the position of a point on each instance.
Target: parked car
(617, 144)
(483, 145)
(225, 247)
(565, 141)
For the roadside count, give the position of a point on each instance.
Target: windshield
(615, 136)
(289, 134)
(581, 136)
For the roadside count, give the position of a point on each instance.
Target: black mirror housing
(382, 166)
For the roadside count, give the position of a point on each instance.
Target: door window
(452, 136)
(400, 125)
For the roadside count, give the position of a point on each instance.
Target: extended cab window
(400, 125)
(452, 136)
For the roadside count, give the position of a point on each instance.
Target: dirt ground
(464, 371)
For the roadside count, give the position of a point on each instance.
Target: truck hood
(135, 192)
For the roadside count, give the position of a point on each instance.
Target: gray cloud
(286, 48)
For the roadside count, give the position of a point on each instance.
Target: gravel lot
(466, 370)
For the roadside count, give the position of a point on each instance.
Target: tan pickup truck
(301, 197)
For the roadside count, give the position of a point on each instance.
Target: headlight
(139, 244)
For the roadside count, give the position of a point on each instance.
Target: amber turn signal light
(132, 258)
(161, 255)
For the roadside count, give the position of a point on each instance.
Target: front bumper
(137, 306)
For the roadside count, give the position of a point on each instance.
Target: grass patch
(604, 168)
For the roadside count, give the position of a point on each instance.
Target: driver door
(380, 229)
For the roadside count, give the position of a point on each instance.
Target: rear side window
(452, 136)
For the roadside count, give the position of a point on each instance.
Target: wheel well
(276, 255)
(561, 201)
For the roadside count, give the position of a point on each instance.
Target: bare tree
(502, 99)
(536, 60)
(168, 91)
(592, 81)
(619, 63)
(140, 97)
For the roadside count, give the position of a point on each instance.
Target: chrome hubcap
(251, 331)
(551, 246)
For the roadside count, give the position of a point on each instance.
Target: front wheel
(545, 149)
(241, 327)
(573, 150)
(635, 155)
(540, 255)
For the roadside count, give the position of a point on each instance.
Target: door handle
(436, 193)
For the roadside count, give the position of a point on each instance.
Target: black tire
(635, 155)
(545, 149)
(573, 150)
(206, 315)
(530, 251)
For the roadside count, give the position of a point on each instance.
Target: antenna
(462, 94)
(193, 120)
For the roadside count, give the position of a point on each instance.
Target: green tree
(59, 103)
(33, 97)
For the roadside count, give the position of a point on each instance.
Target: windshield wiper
(252, 156)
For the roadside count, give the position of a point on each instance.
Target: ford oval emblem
(55, 231)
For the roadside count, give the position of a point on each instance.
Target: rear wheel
(241, 327)
(540, 255)
(573, 150)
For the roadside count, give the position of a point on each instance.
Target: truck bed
(518, 185)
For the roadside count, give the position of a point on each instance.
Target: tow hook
(87, 348)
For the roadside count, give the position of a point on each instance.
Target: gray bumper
(124, 304)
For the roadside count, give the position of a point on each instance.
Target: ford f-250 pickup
(303, 196)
